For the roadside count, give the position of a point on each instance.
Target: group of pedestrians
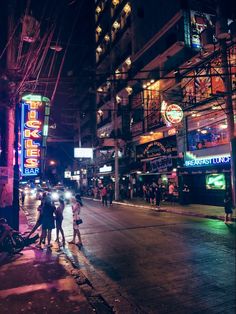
(107, 194)
(153, 194)
(50, 215)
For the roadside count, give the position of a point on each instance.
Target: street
(159, 262)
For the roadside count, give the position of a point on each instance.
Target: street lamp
(52, 163)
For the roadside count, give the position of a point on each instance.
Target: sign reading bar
(32, 117)
(193, 161)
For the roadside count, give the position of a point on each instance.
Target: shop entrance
(208, 189)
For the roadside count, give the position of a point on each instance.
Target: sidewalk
(39, 281)
(197, 210)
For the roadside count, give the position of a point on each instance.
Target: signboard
(32, 118)
(172, 113)
(80, 152)
(67, 174)
(190, 160)
(165, 146)
(105, 168)
(215, 181)
(161, 164)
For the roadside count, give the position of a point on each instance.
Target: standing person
(228, 208)
(158, 196)
(59, 219)
(145, 192)
(76, 206)
(39, 220)
(104, 196)
(22, 197)
(152, 194)
(110, 194)
(171, 192)
(48, 224)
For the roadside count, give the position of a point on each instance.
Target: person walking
(228, 204)
(76, 207)
(48, 210)
(59, 219)
(39, 221)
(110, 194)
(158, 196)
(104, 196)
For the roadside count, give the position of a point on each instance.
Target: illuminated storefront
(35, 112)
(207, 174)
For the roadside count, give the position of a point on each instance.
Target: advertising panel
(215, 181)
(80, 152)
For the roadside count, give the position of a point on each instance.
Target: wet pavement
(151, 262)
(39, 281)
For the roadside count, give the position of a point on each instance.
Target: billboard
(33, 133)
(80, 152)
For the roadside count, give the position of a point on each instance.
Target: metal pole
(229, 115)
(115, 127)
(16, 180)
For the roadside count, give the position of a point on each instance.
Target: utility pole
(229, 115)
(226, 75)
(116, 143)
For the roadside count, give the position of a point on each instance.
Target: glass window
(209, 136)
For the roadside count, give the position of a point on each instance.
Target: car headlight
(68, 194)
(55, 196)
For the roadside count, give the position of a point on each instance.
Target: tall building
(161, 63)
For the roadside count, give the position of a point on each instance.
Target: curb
(166, 210)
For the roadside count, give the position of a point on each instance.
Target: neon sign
(172, 113)
(32, 117)
(192, 161)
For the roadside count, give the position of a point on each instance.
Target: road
(158, 262)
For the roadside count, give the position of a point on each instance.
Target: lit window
(107, 38)
(129, 90)
(99, 49)
(98, 29)
(116, 25)
(127, 8)
(98, 9)
(115, 2)
(128, 61)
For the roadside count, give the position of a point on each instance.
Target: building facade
(162, 65)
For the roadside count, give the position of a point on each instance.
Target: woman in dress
(59, 219)
(76, 206)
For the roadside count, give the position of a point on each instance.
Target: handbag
(79, 221)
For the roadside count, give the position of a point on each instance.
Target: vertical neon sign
(32, 118)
